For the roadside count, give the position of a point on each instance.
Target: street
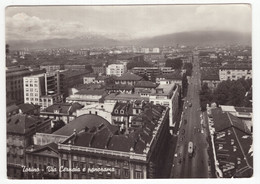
(192, 163)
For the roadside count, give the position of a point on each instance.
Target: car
(190, 104)
(186, 107)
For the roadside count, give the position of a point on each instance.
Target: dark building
(233, 145)
(45, 159)
(99, 69)
(62, 111)
(90, 147)
(20, 131)
(68, 79)
(14, 83)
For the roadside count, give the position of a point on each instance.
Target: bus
(190, 149)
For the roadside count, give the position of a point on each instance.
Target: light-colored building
(167, 95)
(89, 79)
(41, 90)
(101, 109)
(116, 69)
(156, 50)
(128, 79)
(87, 96)
(235, 72)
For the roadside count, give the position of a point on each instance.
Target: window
(229, 132)
(238, 160)
(126, 173)
(232, 141)
(138, 174)
(117, 172)
(220, 146)
(234, 148)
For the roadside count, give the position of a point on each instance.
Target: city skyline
(123, 22)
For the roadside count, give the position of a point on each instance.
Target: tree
(174, 63)
(205, 96)
(57, 125)
(188, 67)
(184, 84)
(236, 94)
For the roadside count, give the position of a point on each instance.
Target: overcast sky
(122, 22)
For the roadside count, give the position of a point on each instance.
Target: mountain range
(183, 38)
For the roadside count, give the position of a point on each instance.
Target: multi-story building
(99, 69)
(68, 79)
(51, 68)
(119, 88)
(122, 97)
(77, 67)
(44, 159)
(97, 149)
(14, 83)
(171, 78)
(167, 95)
(128, 79)
(101, 109)
(151, 72)
(90, 78)
(20, 131)
(41, 90)
(212, 80)
(88, 95)
(232, 140)
(61, 111)
(234, 72)
(29, 109)
(116, 69)
(145, 87)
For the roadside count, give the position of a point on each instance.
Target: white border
(256, 63)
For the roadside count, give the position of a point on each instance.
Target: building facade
(234, 72)
(20, 131)
(116, 69)
(15, 85)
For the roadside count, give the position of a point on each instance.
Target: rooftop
(93, 131)
(146, 84)
(63, 108)
(129, 77)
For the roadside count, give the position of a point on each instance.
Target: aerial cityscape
(129, 92)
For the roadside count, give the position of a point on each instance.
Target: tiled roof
(175, 75)
(11, 108)
(129, 77)
(91, 92)
(146, 84)
(119, 87)
(21, 123)
(80, 123)
(223, 120)
(64, 108)
(121, 143)
(27, 107)
(98, 134)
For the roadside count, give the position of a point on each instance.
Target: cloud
(123, 21)
(23, 26)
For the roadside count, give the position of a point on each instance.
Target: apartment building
(116, 69)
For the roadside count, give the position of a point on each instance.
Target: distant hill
(79, 42)
(185, 38)
(196, 38)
